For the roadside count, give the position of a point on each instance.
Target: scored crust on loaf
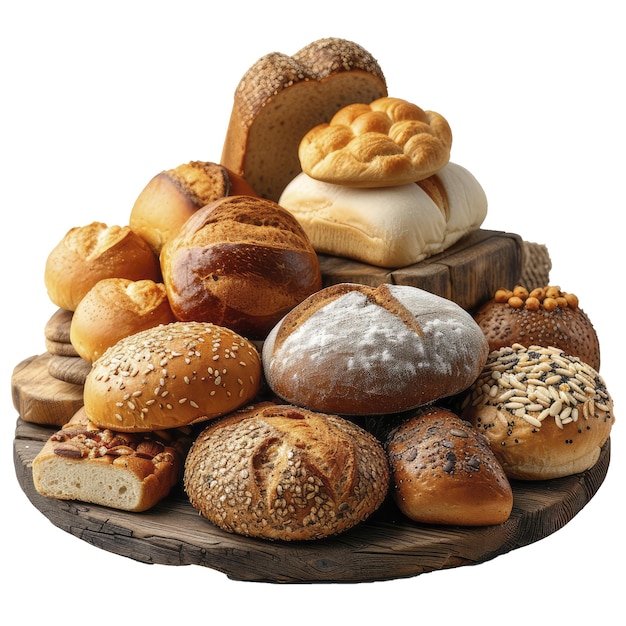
(127, 471)
(444, 472)
(284, 473)
(281, 97)
(547, 414)
(388, 226)
(385, 143)
(355, 349)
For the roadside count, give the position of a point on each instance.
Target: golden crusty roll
(281, 97)
(544, 316)
(444, 472)
(281, 472)
(126, 471)
(172, 196)
(359, 350)
(170, 376)
(240, 262)
(115, 308)
(385, 143)
(88, 254)
(546, 414)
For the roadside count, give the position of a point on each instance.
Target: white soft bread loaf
(444, 472)
(281, 97)
(391, 226)
(547, 414)
(358, 350)
(126, 471)
(284, 473)
(170, 376)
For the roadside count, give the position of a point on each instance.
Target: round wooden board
(384, 547)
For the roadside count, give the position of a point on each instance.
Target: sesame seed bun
(282, 472)
(546, 414)
(171, 375)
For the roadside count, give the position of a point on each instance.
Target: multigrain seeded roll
(444, 472)
(284, 473)
(545, 316)
(170, 376)
(546, 414)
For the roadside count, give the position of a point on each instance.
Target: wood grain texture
(386, 546)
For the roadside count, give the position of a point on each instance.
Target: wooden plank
(383, 547)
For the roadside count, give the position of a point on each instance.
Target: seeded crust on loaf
(354, 349)
(444, 471)
(281, 472)
(546, 414)
(281, 97)
(126, 471)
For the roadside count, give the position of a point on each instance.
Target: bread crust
(546, 414)
(284, 473)
(294, 94)
(444, 472)
(359, 350)
(115, 308)
(170, 376)
(241, 262)
(90, 253)
(127, 471)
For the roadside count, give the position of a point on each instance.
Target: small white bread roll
(388, 226)
(353, 349)
(126, 471)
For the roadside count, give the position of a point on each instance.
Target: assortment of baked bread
(217, 361)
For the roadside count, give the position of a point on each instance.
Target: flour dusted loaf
(545, 316)
(388, 226)
(355, 349)
(444, 472)
(171, 375)
(546, 414)
(127, 471)
(115, 308)
(284, 473)
(174, 195)
(240, 262)
(282, 97)
(90, 253)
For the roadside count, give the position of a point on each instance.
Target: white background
(98, 98)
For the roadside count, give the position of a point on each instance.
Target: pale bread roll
(388, 226)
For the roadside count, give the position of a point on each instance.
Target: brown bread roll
(170, 376)
(281, 472)
(172, 196)
(281, 97)
(546, 414)
(240, 262)
(359, 350)
(444, 472)
(88, 254)
(544, 316)
(126, 471)
(115, 308)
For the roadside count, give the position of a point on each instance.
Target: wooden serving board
(384, 547)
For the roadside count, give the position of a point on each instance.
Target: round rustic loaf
(87, 254)
(546, 414)
(115, 308)
(172, 196)
(285, 473)
(240, 262)
(171, 375)
(359, 350)
(544, 316)
(444, 472)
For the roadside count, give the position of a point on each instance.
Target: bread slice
(280, 98)
(126, 471)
